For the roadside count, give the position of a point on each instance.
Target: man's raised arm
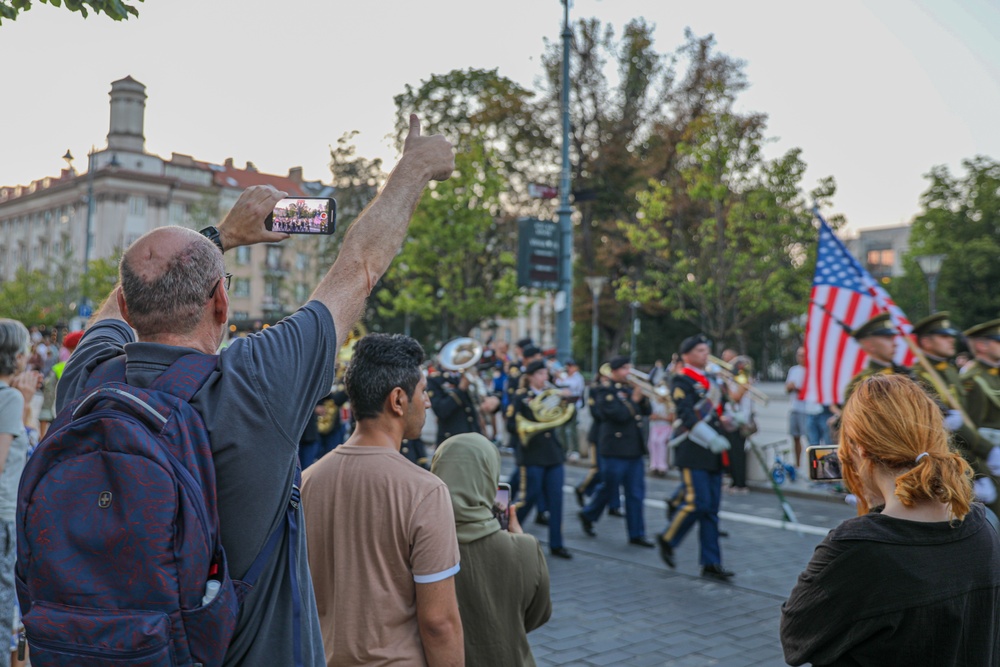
(376, 236)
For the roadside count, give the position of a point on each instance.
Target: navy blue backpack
(119, 560)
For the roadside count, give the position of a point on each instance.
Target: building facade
(65, 221)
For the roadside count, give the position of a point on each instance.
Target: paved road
(617, 604)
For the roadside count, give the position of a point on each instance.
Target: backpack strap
(112, 370)
(186, 375)
(289, 527)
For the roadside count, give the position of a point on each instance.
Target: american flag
(843, 293)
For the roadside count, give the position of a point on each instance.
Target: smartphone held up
(824, 464)
(303, 215)
(501, 505)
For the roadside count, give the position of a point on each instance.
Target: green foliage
(726, 244)
(117, 10)
(961, 218)
(452, 267)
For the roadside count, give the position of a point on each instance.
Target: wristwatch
(212, 234)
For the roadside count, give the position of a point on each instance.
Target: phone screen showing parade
(824, 464)
(303, 215)
(501, 505)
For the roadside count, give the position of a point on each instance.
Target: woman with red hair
(915, 578)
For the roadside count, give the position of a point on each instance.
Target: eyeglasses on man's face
(228, 278)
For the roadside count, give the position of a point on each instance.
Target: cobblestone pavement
(617, 604)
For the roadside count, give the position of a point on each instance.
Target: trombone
(726, 371)
(641, 380)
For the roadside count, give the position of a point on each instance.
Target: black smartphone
(303, 215)
(501, 505)
(824, 464)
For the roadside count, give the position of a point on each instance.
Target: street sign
(85, 310)
(537, 254)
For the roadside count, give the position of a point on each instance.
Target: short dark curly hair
(382, 362)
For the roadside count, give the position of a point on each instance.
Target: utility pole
(564, 320)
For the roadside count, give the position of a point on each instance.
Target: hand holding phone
(824, 464)
(303, 215)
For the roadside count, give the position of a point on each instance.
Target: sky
(874, 92)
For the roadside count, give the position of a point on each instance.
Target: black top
(542, 449)
(619, 434)
(452, 406)
(688, 396)
(884, 591)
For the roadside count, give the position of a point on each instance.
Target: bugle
(641, 380)
(726, 371)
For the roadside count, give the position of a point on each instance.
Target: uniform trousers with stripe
(543, 487)
(593, 479)
(615, 473)
(701, 493)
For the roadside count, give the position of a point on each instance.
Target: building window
(301, 292)
(178, 212)
(272, 288)
(240, 315)
(302, 261)
(243, 255)
(273, 258)
(880, 262)
(241, 287)
(136, 205)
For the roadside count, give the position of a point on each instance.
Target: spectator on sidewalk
(798, 417)
(503, 586)
(382, 544)
(574, 387)
(914, 579)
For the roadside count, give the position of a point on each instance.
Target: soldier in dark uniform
(543, 457)
(877, 338)
(698, 399)
(452, 404)
(592, 479)
(416, 452)
(981, 381)
(515, 383)
(620, 408)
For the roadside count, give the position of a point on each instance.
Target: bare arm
(440, 624)
(376, 236)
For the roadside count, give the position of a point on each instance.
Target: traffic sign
(538, 254)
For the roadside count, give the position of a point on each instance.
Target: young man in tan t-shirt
(382, 546)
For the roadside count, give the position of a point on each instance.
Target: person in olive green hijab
(503, 586)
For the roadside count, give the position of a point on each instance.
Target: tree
(726, 246)
(961, 218)
(451, 269)
(114, 9)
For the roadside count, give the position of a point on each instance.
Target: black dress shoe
(723, 533)
(671, 512)
(642, 542)
(588, 525)
(716, 572)
(579, 497)
(542, 518)
(667, 553)
(617, 511)
(561, 552)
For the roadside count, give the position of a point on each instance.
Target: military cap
(692, 342)
(530, 351)
(619, 361)
(938, 323)
(534, 367)
(524, 342)
(570, 362)
(876, 326)
(989, 330)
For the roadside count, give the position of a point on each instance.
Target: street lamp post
(596, 284)
(931, 267)
(85, 309)
(635, 332)
(565, 318)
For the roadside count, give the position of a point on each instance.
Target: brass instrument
(641, 380)
(550, 411)
(726, 371)
(460, 355)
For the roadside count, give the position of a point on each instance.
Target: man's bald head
(166, 276)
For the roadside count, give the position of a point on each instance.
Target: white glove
(851, 500)
(986, 490)
(706, 436)
(953, 420)
(993, 461)
(990, 435)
